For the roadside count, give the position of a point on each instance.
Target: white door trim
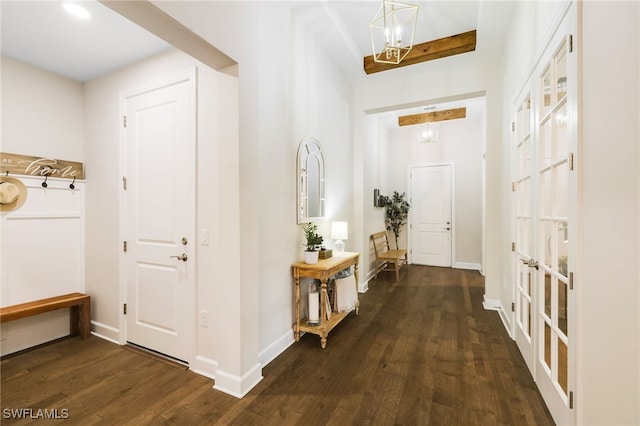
(189, 75)
(453, 205)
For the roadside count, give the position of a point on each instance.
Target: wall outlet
(204, 318)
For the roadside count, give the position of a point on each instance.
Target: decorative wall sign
(26, 165)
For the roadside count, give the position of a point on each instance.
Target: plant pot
(310, 257)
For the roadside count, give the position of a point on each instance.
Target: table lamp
(339, 232)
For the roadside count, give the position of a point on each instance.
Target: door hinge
(570, 280)
(570, 43)
(124, 310)
(513, 126)
(513, 187)
(513, 246)
(124, 120)
(571, 161)
(124, 246)
(571, 400)
(513, 306)
(124, 183)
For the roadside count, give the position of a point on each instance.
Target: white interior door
(524, 186)
(545, 195)
(554, 371)
(160, 214)
(431, 221)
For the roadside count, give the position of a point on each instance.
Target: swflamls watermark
(35, 413)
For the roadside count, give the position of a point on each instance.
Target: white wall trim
(106, 332)
(235, 385)
(496, 305)
(276, 348)
(204, 366)
(467, 265)
(363, 287)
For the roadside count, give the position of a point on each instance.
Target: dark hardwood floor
(423, 351)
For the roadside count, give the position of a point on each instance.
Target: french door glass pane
(563, 365)
(546, 92)
(562, 308)
(547, 345)
(546, 196)
(547, 294)
(545, 145)
(562, 248)
(560, 133)
(562, 192)
(561, 73)
(524, 160)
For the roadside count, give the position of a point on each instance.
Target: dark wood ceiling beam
(429, 117)
(428, 51)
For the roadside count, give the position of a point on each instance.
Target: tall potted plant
(313, 243)
(396, 213)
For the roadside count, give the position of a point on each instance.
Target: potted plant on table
(314, 240)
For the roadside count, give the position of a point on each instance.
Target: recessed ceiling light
(77, 10)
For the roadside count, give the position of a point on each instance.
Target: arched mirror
(311, 181)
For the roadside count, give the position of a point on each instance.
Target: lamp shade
(339, 231)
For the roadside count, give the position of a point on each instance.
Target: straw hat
(13, 193)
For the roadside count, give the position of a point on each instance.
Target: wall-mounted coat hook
(71, 185)
(44, 184)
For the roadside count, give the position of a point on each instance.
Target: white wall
(43, 241)
(42, 112)
(285, 94)
(608, 315)
(460, 142)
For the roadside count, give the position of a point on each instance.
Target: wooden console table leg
(355, 274)
(296, 325)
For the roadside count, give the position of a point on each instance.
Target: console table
(323, 270)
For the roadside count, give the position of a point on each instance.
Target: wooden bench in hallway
(387, 259)
(79, 305)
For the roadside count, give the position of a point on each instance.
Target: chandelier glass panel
(392, 31)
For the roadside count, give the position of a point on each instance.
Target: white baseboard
(235, 385)
(276, 348)
(467, 265)
(105, 332)
(496, 305)
(363, 287)
(204, 366)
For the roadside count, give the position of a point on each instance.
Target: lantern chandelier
(428, 133)
(392, 31)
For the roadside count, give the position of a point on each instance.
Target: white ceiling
(43, 34)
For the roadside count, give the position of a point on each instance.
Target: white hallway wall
(285, 94)
(51, 229)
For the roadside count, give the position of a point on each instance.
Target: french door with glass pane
(524, 188)
(545, 205)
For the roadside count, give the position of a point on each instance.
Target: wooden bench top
(23, 310)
